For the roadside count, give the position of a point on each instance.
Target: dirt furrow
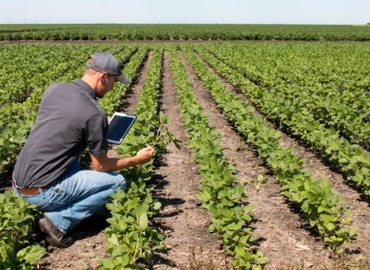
(185, 225)
(131, 98)
(277, 229)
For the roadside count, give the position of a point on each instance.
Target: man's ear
(105, 75)
(102, 77)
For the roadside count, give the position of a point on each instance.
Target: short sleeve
(96, 130)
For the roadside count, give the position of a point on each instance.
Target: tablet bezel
(118, 114)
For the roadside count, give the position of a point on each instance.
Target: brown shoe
(54, 236)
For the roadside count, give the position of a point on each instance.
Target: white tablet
(119, 125)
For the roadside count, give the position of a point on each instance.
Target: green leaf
(113, 239)
(32, 253)
(143, 221)
(157, 206)
(330, 226)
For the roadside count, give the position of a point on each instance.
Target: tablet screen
(119, 125)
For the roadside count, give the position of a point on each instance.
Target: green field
(183, 32)
(315, 93)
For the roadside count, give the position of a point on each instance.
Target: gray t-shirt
(69, 120)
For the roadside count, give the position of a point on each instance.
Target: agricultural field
(14, 32)
(262, 155)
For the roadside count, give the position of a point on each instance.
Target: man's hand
(144, 155)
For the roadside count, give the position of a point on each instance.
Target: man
(69, 120)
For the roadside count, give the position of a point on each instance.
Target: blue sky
(189, 11)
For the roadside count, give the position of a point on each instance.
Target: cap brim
(123, 79)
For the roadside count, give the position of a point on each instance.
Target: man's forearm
(113, 164)
(106, 164)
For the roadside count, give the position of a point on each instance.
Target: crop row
(17, 225)
(130, 236)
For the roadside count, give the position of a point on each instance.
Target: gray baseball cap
(106, 62)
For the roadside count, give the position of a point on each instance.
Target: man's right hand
(144, 155)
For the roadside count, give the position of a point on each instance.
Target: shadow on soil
(87, 228)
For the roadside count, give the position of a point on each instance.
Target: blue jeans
(76, 196)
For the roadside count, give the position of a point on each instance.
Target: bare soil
(185, 225)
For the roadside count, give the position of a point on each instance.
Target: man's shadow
(91, 226)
